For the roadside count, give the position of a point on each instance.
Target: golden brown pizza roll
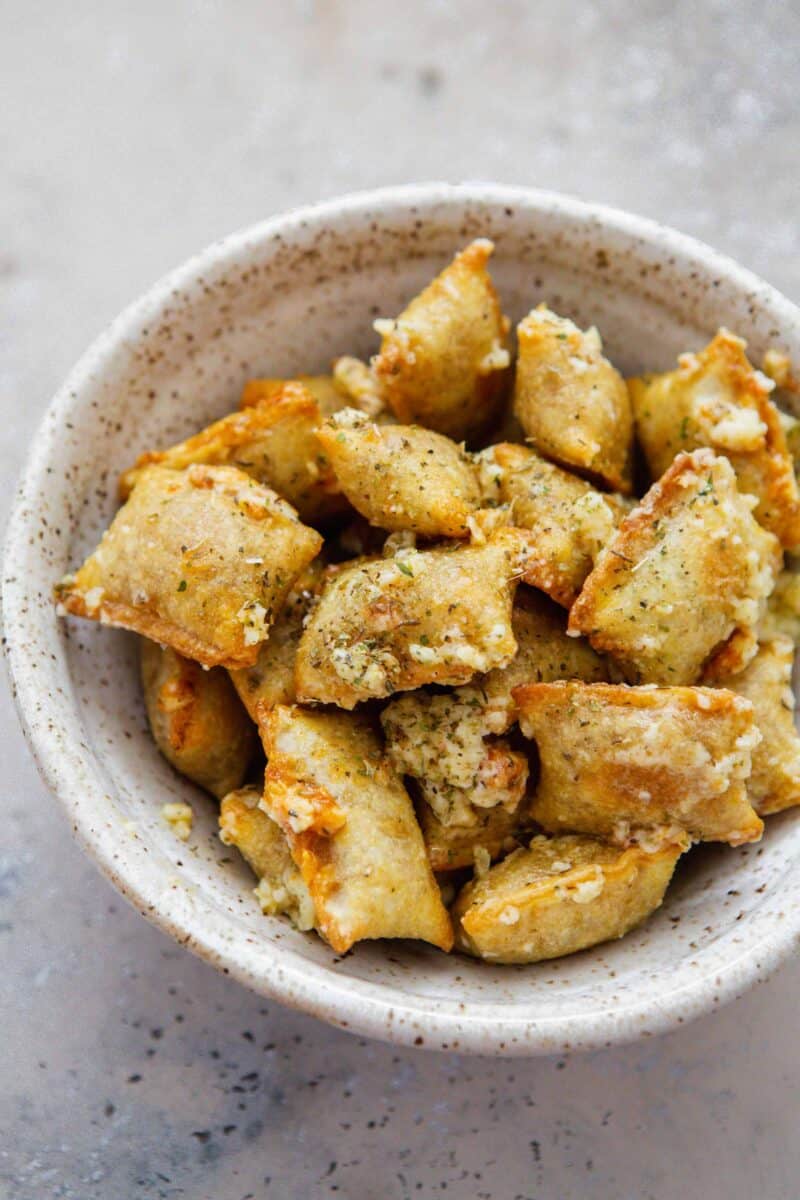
(274, 442)
(571, 402)
(488, 834)
(270, 680)
(262, 843)
(767, 683)
(196, 719)
(570, 521)
(616, 761)
(440, 740)
(685, 578)
(432, 616)
(558, 896)
(351, 829)
(357, 381)
(544, 653)
(401, 476)
(328, 395)
(716, 398)
(782, 616)
(200, 560)
(444, 362)
(445, 741)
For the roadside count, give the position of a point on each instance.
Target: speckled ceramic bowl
(283, 297)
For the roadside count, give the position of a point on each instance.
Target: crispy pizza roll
(559, 896)
(716, 398)
(782, 616)
(439, 740)
(401, 476)
(270, 680)
(329, 396)
(262, 843)
(445, 741)
(544, 653)
(684, 579)
(196, 719)
(200, 560)
(766, 682)
(351, 829)
(779, 368)
(487, 835)
(274, 442)
(433, 616)
(615, 760)
(444, 362)
(356, 380)
(571, 402)
(570, 521)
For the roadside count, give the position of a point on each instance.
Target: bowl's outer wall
(287, 297)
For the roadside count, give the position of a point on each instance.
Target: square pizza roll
(716, 398)
(394, 624)
(685, 578)
(200, 560)
(270, 680)
(196, 719)
(401, 476)
(767, 683)
(440, 740)
(262, 843)
(571, 402)
(351, 829)
(558, 896)
(273, 441)
(487, 835)
(545, 652)
(570, 521)
(444, 362)
(642, 763)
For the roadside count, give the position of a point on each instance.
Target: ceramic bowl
(284, 297)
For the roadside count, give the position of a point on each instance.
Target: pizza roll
(270, 680)
(766, 682)
(544, 653)
(401, 476)
(351, 829)
(262, 843)
(439, 739)
(782, 616)
(356, 380)
(196, 719)
(391, 625)
(328, 394)
(716, 398)
(558, 896)
(444, 362)
(200, 560)
(778, 367)
(571, 402)
(487, 835)
(617, 760)
(445, 741)
(570, 521)
(686, 575)
(274, 442)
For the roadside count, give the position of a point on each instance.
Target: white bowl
(284, 297)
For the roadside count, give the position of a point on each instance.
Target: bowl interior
(285, 298)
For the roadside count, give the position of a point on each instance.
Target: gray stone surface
(131, 135)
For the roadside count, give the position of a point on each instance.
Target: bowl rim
(72, 774)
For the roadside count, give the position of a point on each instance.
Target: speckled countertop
(132, 135)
